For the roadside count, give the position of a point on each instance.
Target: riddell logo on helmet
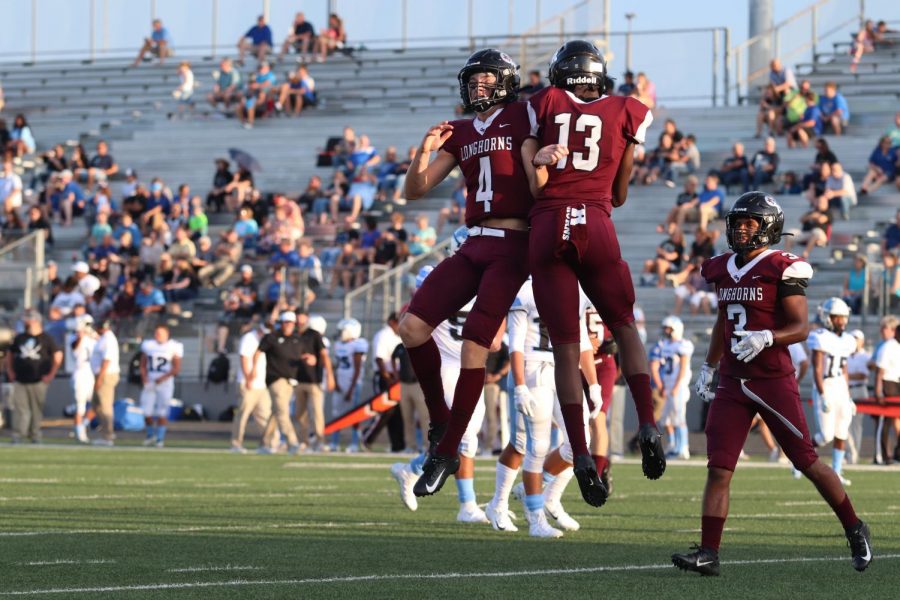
(582, 79)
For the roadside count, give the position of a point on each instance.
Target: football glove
(704, 382)
(524, 400)
(753, 343)
(824, 403)
(595, 393)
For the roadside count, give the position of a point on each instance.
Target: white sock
(506, 478)
(553, 491)
(469, 505)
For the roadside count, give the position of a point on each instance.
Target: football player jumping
(762, 310)
(494, 151)
(583, 170)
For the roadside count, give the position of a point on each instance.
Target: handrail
(29, 238)
(761, 36)
(536, 28)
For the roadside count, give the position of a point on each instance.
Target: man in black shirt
(31, 365)
(314, 365)
(102, 165)
(283, 350)
(412, 399)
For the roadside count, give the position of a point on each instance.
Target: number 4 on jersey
(485, 191)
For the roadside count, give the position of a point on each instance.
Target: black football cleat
(435, 471)
(703, 560)
(606, 478)
(435, 433)
(653, 459)
(592, 489)
(860, 546)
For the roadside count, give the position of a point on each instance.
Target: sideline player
(762, 310)
(831, 347)
(603, 345)
(82, 343)
(494, 151)
(160, 364)
(583, 170)
(349, 357)
(675, 372)
(449, 340)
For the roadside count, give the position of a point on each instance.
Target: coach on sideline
(31, 365)
(105, 365)
(283, 350)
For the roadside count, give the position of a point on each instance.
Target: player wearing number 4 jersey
(160, 364)
(494, 152)
(762, 310)
(582, 171)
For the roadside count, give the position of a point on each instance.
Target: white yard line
(214, 568)
(50, 563)
(196, 529)
(407, 577)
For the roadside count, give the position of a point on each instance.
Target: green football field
(134, 523)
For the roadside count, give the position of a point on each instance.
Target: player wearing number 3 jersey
(762, 311)
(494, 151)
(582, 171)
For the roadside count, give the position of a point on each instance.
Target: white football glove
(824, 403)
(704, 382)
(524, 400)
(596, 395)
(753, 343)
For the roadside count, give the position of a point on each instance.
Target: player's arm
(537, 176)
(654, 374)
(623, 175)
(174, 371)
(328, 372)
(144, 377)
(357, 369)
(879, 385)
(247, 368)
(54, 366)
(517, 321)
(804, 367)
(497, 342)
(684, 363)
(422, 176)
(818, 362)
(796, 321)
(717, 339)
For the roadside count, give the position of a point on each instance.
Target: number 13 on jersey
(585, 123)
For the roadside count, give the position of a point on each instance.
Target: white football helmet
(83, 323)
(423, 273)
(459, 238)
(675, 324)
(318, 323)
(349, 329)
(833, 307)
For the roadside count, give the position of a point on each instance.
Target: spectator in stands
(69, 199)
(238, 189)
(21, 137)
(216, 198)
(795, 105)
(198, 222)
(299, 89)
(855, 284)
(771, 105)
(657, 161)
(100, 305)
(149, 299)
(668, 259)
(37, 220)
(534, 85)
(125, 301)
(205, 254)
(809, 126)
(834, 108)
(131, 183)
(890, 242)
(32, 362)
(257, 95)
(69, 297)
(227, 255)
(5, 136)
(626, 88)
(10, 188)
(332, 38)
(311, 194)
(126, 224)
(781, 77)
(126, 255)
(686, 161)
(310, 263)
(823, 155)
(227, 87)
(814, 227)
(348, 270)
(815, 190)
(102, 166)
(863, 43)
(645, 91)
(386, 174)
(277, 290)
(258, 39)
(101, 226)
(735, 168)
(152, 249)
(882, 166)
(764, 166)
(706, 207)
(891, 281)
(696, 291)
(285, 255)
(423, 238)
(182, 247)
(455, 209)
(894, 132)
(301, 38)
(184, 93)
(242, 301)
(180, 285)
(159, 44)
(840, 191)
(247, 228)
(689, 194)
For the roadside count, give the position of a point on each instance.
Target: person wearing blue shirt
(285, 255)
(882, 166)
(834, 108)
(157, 201)
(159, 44)
(258, 38)
(258, 89)
(809, 126)
(149, 299)
(68, 200)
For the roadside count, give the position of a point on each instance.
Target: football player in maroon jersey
(494, 151)
(762, 310)
(583, 170)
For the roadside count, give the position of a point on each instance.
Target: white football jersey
(529, 335)
(81, 356)
(671, 352)
(837, 349)
(160, 356)
(448, 335)
(343, 360)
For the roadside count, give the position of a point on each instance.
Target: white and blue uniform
(671, 353)
(156, 397)
(82, 374)
(834, 411)
(344, 351)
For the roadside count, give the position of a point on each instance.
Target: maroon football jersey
(490, 156)
(749, 296)
(595, 132)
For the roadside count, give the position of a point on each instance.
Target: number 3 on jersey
(485, 191)
(591, 123)
(738, 314)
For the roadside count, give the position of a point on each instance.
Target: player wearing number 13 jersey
(582, 171)
(494, 152)
(762, 310)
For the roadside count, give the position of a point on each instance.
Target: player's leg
(239, 423)
(606, 377)
(469, 511)
(148, 406)
(558, 472)
(538, 427)
(164, 393)
(508, 464)
(842, 420)
(83, 384)
(680, 397)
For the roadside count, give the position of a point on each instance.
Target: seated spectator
(863, 43)
(180, 285)
(455, 209)
(781, 78)
(855, 284)
(310, 264)
(823, 155)
(131, 184)
(657, 161)
(882, 166)
(815, 190)
(126, 256)
(669, 255)
(734, 169)
(362, 156)
(242, 301)
(257, 95)
(687, 160)
(347, 271)
(795, 105)
(285, 255)
(10, 188)
(369, 238)
(389, 250)
(205, 254)
(228, 87)
(299, 89)
(184, 93)
(891, 281)
(534, 85)
(696, 291)
(68, 201)
(247, 228)
(894, 132)
(890, 242)
(344, 147)
(152, 249)
(102, 166)
(689, 194)
(125, 301)
(423, 238)
(21, 138)
(159, 44)
(332, 38)
(101, 202)
(840, 191)
(645, 90)
(277, 290)
(814, 228)
(704, 244)
(626, 88)
(238, 190)
(834, 108)
(227, 254)
(216, 198)
(301, 38)
(809, 126)
(396, 228)
(359, 197)
(707, 206)
(37, 220)
(311, 194)
(198, 222)
(126, 224)
(386, 174)
(258, 207)
(764, 166)
(100, 305)
(149, 299)
(790, 184)
(258, 39)
(182, 247)
(771, 105)
(68, 298)
(101, 227)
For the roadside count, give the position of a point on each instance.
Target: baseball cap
(31, 315)
(81, 267)
(288, 316)
(858, 334)
(246, 269)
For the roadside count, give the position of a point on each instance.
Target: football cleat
(606, 478)
(150, 441)
(102, 442)
(435, 471)
(653, 461)
(435, 433)
(556, 512)
(500, 518)
(471, 514)
(592, 489)
(860, 546)
(518, 492)
(844, 481)
(539, 527)
(160, 444)
(406, 478)
(704, 561)
(238, 450)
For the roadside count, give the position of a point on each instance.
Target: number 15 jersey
(596, 133)
(750, 297)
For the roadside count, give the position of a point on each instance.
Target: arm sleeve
(794, 279)
(813, 342)
(637, 119)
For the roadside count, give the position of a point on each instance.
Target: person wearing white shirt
(384, 342)
(81, 343)
(858, 373)
(160, 364)
(887, 384)
(10, 188)
(105, 366)
(254, 395)
(87, 284)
